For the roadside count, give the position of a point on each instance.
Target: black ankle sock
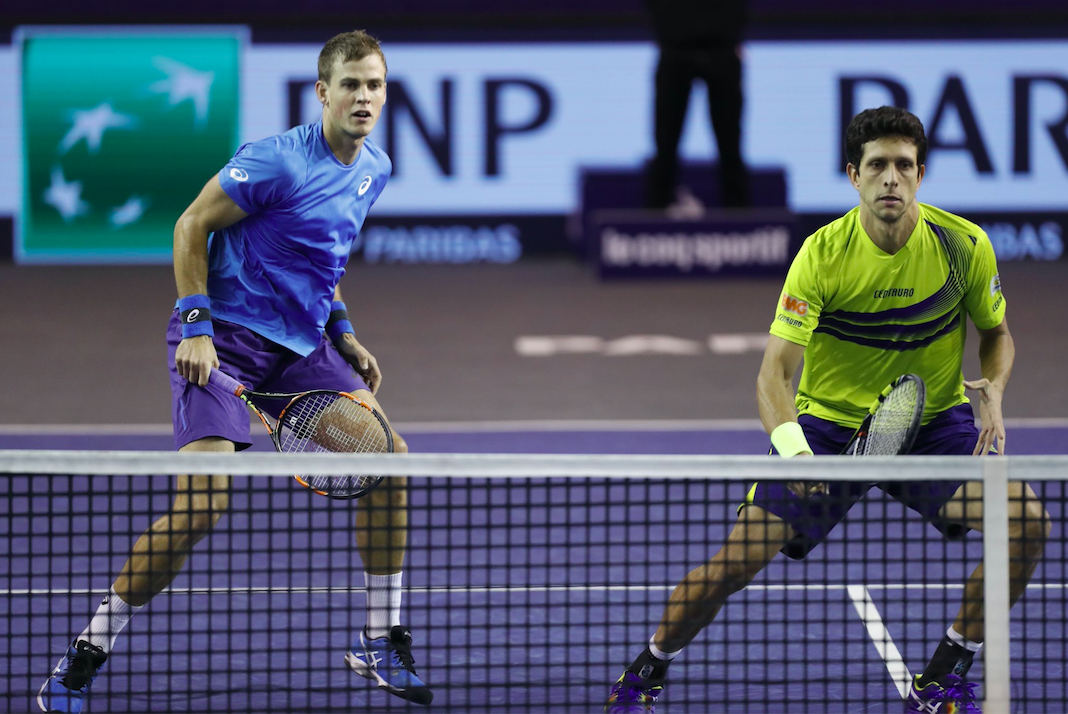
(649, 667)
(949, 658)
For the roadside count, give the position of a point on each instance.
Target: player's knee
(1037, 525)
(736, 574)
(194, 520)
(736, 578)
(200, 524)
(400, 446)
(202, 521)
(394, 490)
(186, 529)
(1032, 530)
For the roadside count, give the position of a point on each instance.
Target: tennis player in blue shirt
(257, 260)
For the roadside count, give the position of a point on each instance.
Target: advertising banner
(492, 128)
(637, 244)
(120, 132)
(496, 129)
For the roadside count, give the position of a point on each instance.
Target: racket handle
(225, 382)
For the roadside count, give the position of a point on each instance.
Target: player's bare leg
(156, 558)
(754, 541)
(382, 539)
(382, 516)
(1029, 528)
(161, 551)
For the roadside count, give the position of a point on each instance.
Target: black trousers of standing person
(720, 68)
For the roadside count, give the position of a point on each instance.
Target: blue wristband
(338, 323)
(195, 316)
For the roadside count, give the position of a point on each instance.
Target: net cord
(644, 466)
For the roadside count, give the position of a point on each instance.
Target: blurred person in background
(698, 39)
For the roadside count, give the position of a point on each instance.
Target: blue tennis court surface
(513, 600)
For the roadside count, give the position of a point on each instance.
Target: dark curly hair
(872, 124)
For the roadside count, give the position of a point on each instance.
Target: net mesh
(522, 593)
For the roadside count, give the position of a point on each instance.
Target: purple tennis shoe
(633, 695)
(957, 697)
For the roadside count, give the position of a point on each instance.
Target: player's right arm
(796, 316)
(775, 383)
(775, 400)
(212, 211)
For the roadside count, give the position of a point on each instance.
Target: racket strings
(331, 423)
(893, 422)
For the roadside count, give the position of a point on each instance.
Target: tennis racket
(893, 420)
(320, 420)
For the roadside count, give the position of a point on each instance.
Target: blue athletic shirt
(275, 271)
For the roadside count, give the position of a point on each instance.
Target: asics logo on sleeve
(364, 185)
(239, 174)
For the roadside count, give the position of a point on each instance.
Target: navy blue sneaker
(66, 688)
(388, 662)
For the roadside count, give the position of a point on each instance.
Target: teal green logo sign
(121, 129)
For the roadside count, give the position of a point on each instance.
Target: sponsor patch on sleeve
(792, 304)
(995, 284)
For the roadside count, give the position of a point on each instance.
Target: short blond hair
(346, 47)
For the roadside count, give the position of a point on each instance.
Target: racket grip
(225, 382)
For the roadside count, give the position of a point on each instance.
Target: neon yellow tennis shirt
(867, 317)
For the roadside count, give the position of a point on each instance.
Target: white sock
(383, 603)
(660, 654)
(110, 619)
(958, 639)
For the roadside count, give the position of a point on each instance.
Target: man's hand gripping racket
(319, 421)
(890, 428)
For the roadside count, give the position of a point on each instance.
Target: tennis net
(530, 582)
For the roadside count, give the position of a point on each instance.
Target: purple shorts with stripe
(951, 433)
(264, 366)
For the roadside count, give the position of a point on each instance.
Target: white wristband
(789, 440)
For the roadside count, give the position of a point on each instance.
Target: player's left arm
(357, 355)
(346, 343)
(996, 354)
(985, 303)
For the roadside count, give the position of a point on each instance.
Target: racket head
(324, 421)
(891, 427)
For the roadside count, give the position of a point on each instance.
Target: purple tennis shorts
(264, 366)
(951, 433)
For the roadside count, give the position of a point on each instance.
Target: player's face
(888, 177)
(353, 100)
